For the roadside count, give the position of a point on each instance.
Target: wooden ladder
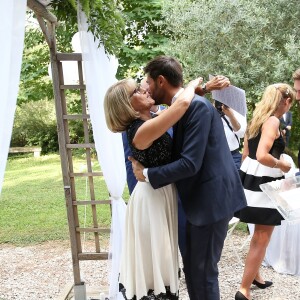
(72, 174)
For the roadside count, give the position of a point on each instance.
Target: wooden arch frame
(48, 23)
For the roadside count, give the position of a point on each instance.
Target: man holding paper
(232, 107)
(234, 126)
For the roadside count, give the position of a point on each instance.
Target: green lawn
(32, 202)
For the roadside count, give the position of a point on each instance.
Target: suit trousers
(181, 228)
(237, 158)
(299, 158)
(203, 252)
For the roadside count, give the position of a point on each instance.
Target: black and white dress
(260, 209)
(149, 261)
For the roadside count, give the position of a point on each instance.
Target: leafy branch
(104, 19)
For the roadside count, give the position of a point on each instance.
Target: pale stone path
(45, 271)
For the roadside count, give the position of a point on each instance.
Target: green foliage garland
(103, 16)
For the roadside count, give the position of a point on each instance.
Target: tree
(104, 19)
(129, 29)
(255, 43)
(144, 36)
(252, 42)
(35, 83)
(36, 91)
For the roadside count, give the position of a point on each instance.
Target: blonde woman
(262, 162)
(149, 261)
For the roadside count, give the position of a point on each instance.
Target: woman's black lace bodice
(159, 153)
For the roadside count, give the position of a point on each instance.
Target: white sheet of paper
(231, 96)
(292, 198)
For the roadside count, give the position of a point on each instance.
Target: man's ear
(161, 80)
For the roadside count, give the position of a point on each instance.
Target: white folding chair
(246, 242)
(231, 226)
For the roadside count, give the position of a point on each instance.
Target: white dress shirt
(232, 141)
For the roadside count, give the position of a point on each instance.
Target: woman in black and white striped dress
(262, 162)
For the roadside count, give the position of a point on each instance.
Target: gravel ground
(43, 272)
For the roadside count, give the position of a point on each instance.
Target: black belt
(235, 151)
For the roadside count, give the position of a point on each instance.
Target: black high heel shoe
(240, 296)
(262, 285)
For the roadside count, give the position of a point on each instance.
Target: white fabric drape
(99, 75)
(12, 16)
(283, 252)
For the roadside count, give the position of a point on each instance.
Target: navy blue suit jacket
(207, 180)
(131, 180)
(287, 122)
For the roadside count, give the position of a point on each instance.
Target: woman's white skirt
(149, 261)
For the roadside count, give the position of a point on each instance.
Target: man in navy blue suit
(207, 180)
(296, 78)
(286, 122)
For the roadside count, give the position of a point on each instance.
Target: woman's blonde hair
(269, 103)
(118, 110)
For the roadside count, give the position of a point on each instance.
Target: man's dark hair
(166, 66)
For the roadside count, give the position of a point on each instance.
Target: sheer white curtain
(99, 75)
(283, 252)
(12, 16)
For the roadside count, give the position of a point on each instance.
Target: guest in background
(296, 78)
(262, 162)
(234, 126)
(286, 126)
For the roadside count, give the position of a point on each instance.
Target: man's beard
(157, 102)
(157, 96)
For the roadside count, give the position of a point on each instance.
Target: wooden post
(40, 10)
(63, 154)
(65, 150)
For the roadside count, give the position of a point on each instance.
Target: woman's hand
(137, 169)
(284, 165)
(185, 98)
(218, 82)
(195, 83)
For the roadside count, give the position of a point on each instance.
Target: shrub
(35, 125)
